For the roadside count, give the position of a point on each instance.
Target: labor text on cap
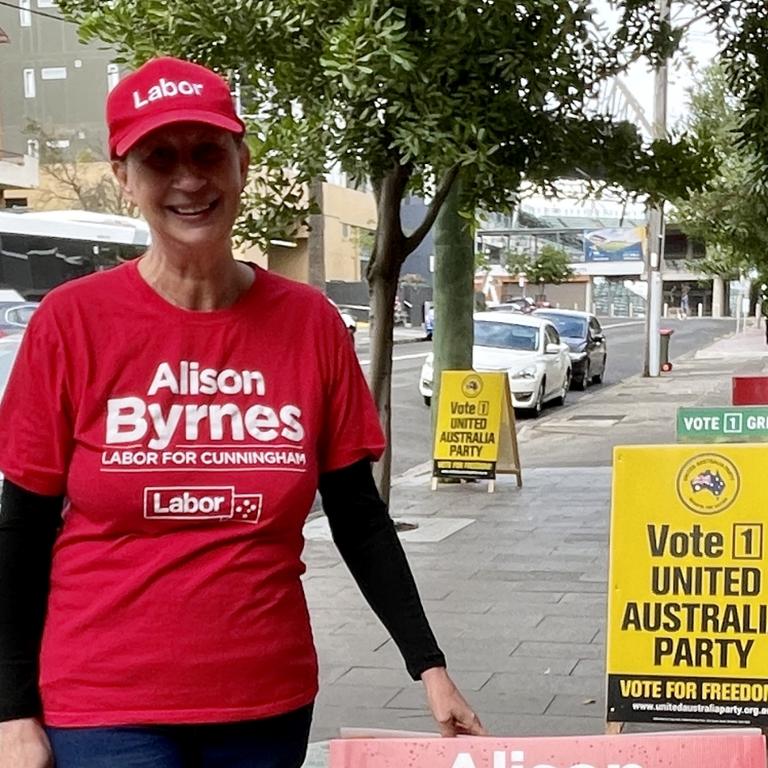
(166, 89)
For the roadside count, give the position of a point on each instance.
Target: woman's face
(186, 179)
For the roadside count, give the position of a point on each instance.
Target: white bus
(39, 250)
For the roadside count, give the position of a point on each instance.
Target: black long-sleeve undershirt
(29, 523)
(361, 527)
(366, 538)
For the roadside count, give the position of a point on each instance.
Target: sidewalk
(400, 335)
(514, 582)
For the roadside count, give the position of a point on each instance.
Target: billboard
(614, 244)
(688, 602)
(475, 432)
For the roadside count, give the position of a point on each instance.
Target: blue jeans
(275, 742)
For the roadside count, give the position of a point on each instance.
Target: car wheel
(566, 386)
(598, 377)
(539, 403)
(427, 401)
(586, 377)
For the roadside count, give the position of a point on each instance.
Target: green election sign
(722, 425)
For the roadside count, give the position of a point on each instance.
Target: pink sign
(722, 748)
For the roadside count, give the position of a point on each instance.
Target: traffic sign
(722, 425)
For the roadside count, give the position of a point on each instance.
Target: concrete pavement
(514, 582)
(401, 334)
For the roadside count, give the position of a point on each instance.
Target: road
(411, 418)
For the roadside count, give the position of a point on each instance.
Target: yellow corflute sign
(475, 426)
(688, 598)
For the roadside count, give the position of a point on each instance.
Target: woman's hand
(450, 709)
(23, 744)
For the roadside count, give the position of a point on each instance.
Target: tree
(84, 179)
(550, 266)
(741, 29)
(515, 261)
(453, 292)
(730, 213)
(409, 94)
(482, 261)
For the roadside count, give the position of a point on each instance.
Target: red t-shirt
(188, 445)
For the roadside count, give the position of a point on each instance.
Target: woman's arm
(29, 523)
(365, 536)
(24, 744)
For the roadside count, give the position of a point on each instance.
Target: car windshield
(506, 335)
(572, 327)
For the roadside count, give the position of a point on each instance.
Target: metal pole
(655, 284)
(656, 224)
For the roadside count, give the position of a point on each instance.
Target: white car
(9, 348)
(528, 348)
(349, 321)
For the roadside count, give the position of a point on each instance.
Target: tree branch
(705, 14)
(414, 239)
(620, 67)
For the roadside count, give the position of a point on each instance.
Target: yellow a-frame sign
(475, 437)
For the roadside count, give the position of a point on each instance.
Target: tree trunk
(316, 240)
(454, 292)
(383, 293)
(389, 252)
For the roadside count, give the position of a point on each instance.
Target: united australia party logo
(708, 483)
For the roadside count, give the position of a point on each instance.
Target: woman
(187, 406)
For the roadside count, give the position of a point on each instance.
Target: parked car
(15, 316)
(349, 321)
(9, 348)
(582, 332)
(10, 296)
(523, 304)
(527, 348)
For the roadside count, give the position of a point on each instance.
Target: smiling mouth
(192, 210)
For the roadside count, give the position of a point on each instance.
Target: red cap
(165, 91)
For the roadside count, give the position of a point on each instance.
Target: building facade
(51, 81)
(605, 243)
(52, 97)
